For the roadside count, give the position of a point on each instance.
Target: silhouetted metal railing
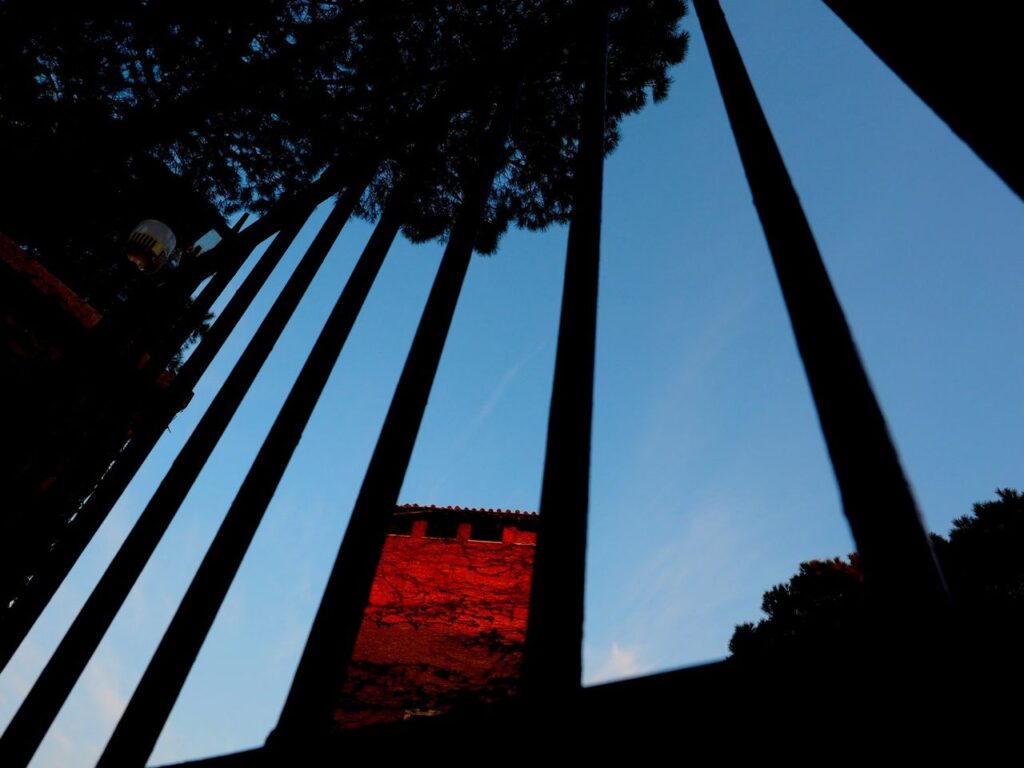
(876, 498)
(321, 668)
(19, 617)
(964, 63)
(897, 554)
(79, 643)
(552, 662)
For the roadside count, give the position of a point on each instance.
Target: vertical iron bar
(322, 667)
(26, 730)
(197, 310)
(17, 545)
(17, 619)
(883, 516)
(960, 62)
(283, 212)
(552, 665)
(228, 255)
(151, 703)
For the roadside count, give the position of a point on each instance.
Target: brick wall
(446, 620)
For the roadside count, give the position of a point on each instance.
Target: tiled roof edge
(469, 510)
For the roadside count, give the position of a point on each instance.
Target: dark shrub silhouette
(821, 610)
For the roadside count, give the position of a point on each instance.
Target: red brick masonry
(23, 266)
(447, 615)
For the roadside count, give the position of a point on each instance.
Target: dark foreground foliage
(822, 609)
(245, 103)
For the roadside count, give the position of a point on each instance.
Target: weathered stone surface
(446, 620)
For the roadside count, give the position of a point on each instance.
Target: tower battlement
(446, 619)
(465, 523)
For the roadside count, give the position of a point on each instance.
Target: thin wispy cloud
(84, 725)
(463, 442)
(106, 690)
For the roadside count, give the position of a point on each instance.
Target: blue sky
(710, 479)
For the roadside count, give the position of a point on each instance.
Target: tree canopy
(822, 608)
(250, 102)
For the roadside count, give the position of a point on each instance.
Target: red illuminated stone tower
(446, 620)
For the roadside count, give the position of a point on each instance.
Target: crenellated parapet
(446, 620)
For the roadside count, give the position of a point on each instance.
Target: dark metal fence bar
(280, 216)
(43, 702)
(122, 335)
(26, 547)
(234, 254)
(223, 262)
(150, 705)
(322, 668)
(554, 636)
(17, 619)
(897, 555)
(67, 532)
(962, 62)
